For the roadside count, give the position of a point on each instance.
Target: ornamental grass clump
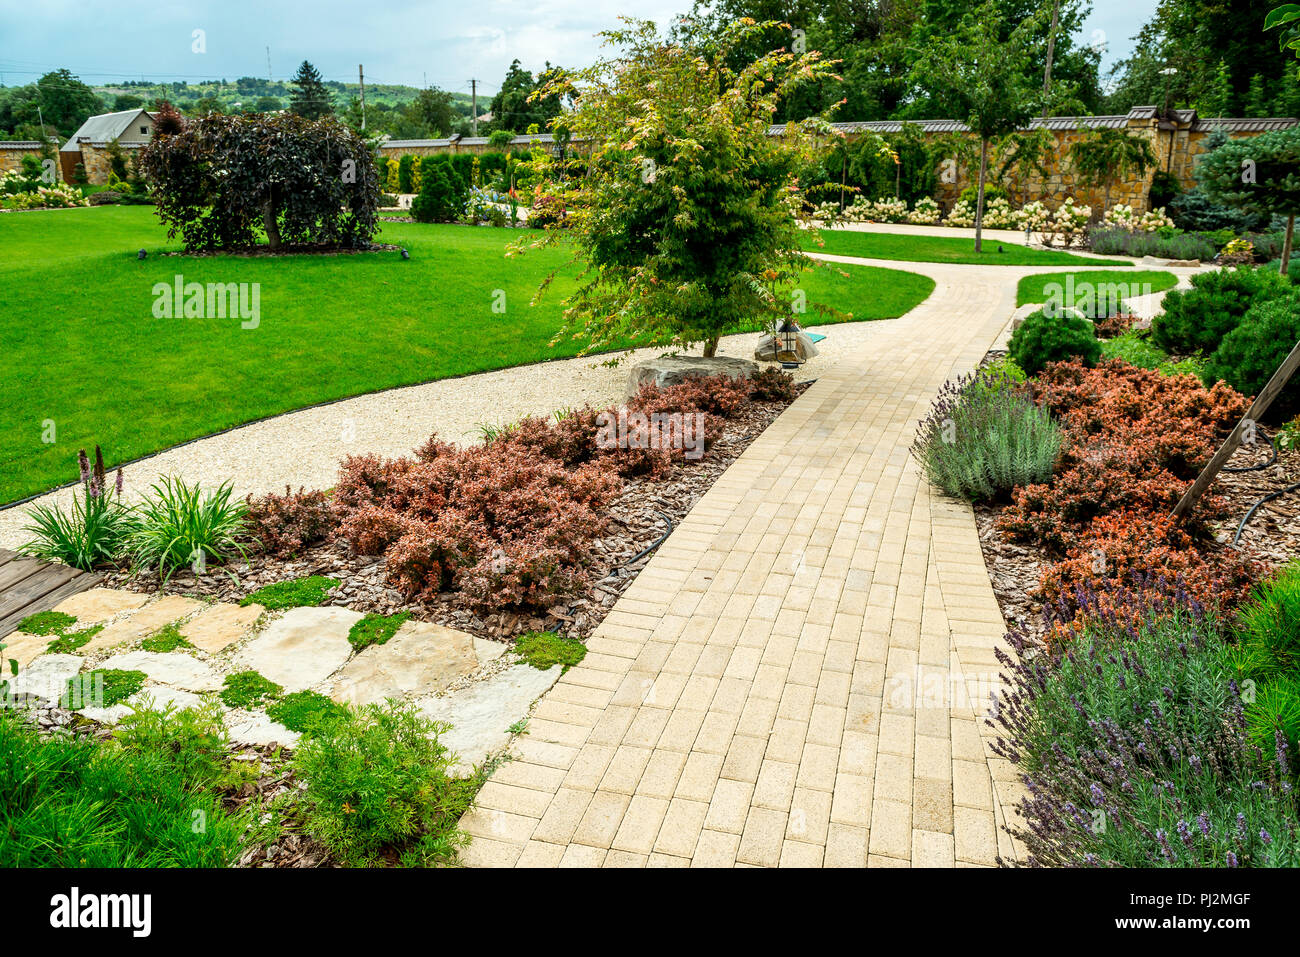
(985, 436)
(93, 531)
(178, 525)
(1134, 749)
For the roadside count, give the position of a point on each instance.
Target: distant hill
(247, 91)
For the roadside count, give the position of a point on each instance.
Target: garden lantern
(787, 345)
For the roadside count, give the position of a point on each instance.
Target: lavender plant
(93, 531)
(1133, 746)
(985, 436)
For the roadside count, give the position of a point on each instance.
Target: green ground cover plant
(545, 649)
(248, 689)
(296, 593)
(306, 711)
(376, 629)
(102, 688)
(167, 638)
(335, 321)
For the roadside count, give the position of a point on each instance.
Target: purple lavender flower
(1232, 859)
(1098, 798)
(1203, 823)
(117, 483)
(1185, 833)
(1265, 837)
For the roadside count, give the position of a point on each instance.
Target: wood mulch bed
(1272, 536)
(637, 520)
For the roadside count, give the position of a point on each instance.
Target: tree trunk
(979, 199)
(710, 347)
(1286, 243)
(270, 223)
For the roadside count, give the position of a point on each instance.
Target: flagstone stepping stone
(421, 658)
(22, 648)
(301, 649)
(254, 727)
(143, 622)
(94, 605)
(173, 668)
(153, 698)
(46, 678)
(220, 626)
(488, 650)
(481, 714)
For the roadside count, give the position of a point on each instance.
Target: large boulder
(674, 370)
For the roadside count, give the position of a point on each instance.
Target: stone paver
(220, 625)
(301, 649)
(175, 668)
(801, 673)
(100, 604)
(421, 657)
(482, 713)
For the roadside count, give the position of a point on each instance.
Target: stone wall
(95, 157)
(12, 153)
(1177, 140)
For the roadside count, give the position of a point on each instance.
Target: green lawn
(1112, 285)
(84, 354)
(945, 249)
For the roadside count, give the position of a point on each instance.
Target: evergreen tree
(311, 99)
(1217, 98)
(1288, 94)
(1256, 98)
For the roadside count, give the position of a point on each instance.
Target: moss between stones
(544, 649)
(67, 643)
(376, 629)
(46, 623)
(248, 689)
(295, 593)
(166, 638)
(306, 711)
(86, 690)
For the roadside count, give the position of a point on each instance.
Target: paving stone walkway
(800, 674)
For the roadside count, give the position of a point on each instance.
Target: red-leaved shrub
(1134, 440)
(286, 524)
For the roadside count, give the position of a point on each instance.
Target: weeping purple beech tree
(220, 179)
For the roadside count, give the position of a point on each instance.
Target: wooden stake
(1231, 444)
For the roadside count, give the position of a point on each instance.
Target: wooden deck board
(28, 586)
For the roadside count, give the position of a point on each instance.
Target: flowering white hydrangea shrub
(925, 212)
(961, 214)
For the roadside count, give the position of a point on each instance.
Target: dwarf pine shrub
(985, 437)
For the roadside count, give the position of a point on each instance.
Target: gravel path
(304, 447)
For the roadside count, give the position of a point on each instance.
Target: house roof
(103, 128)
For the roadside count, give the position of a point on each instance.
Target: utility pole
(1051, 48)
(361, 75)
(269, 78)
(473, 116)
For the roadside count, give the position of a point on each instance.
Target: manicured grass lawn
(1034, 288)
(84, 352)
(944, 249)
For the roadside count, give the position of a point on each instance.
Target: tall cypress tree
(311, 100)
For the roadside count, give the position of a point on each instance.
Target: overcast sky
(399, 41)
